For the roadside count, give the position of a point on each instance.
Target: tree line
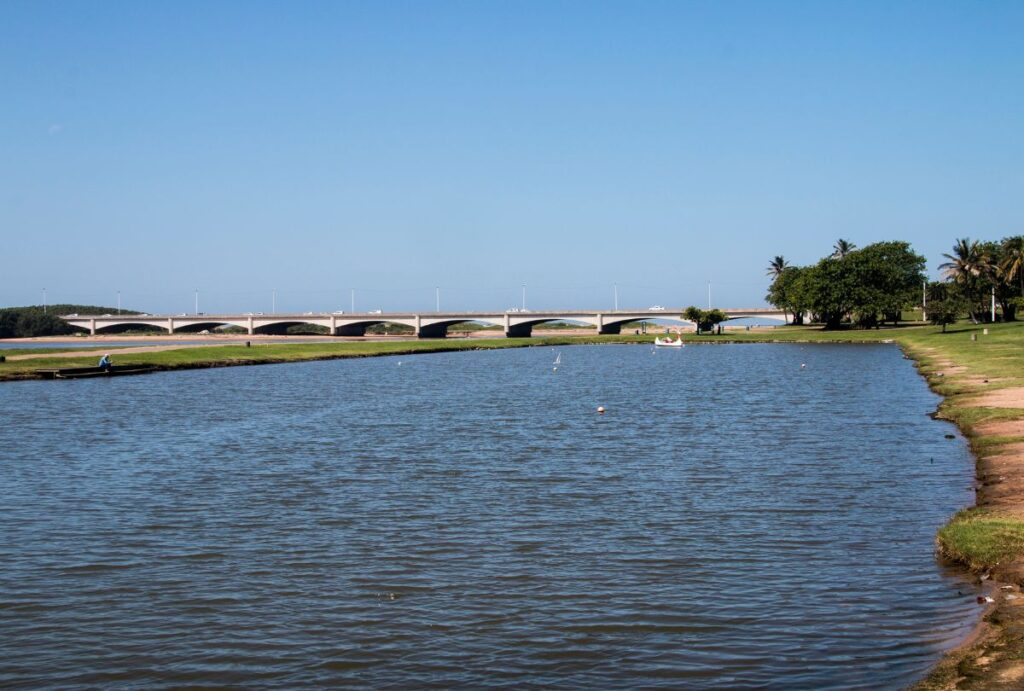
(36, 320)
(869, 286)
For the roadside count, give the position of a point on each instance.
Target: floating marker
(600, 410)
(802, 365)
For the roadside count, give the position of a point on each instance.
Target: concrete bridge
(425, 324)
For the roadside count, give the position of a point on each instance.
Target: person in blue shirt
(105, 362)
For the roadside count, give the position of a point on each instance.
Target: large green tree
(788, 293)
(888, 277)
(706, 320)
(831, 290)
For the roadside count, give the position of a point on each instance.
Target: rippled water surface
(467, 519)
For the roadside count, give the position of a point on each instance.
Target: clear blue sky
(155, 148)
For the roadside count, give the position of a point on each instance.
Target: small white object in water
(802, 365)
(600, 409)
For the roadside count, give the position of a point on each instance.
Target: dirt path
(113, 351)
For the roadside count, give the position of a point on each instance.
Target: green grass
(228, 355)
(981, 539)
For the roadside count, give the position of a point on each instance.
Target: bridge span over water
(425, 324)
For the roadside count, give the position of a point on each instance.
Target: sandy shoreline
(992, 655)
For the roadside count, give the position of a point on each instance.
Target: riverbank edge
(999, 631)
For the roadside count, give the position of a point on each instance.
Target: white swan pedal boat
(668, 342)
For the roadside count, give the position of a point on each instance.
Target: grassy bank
(216, 355)
(982, 382)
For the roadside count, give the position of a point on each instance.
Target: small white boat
(668, 342)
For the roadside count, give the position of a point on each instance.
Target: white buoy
(600, 410)
(802, 365)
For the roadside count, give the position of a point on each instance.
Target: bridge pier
(92, 327)
(350, 330)
(607, 329)
(519, 331)
(432, 331)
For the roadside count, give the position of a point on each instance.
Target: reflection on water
(464, 519)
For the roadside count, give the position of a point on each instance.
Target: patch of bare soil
(1002, 480)
(112, 351)
(1001, 398)
(1002, 428)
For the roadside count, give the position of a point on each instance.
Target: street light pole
(352, 307)
(437, 291)
(616, 296)
(709, 294)
(524, 297)
(44, 300)
(197, 302)
(119, 302)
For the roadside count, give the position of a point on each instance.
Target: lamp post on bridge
(437, 295)
(524, 297)
(197, 302)
(616, 286)
(119, 303)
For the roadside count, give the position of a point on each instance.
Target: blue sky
(238, 148)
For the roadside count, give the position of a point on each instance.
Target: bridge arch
(358, 327)
(126, 325)
(197, 327)
(281, 327)
(767, 317)
(430, 328)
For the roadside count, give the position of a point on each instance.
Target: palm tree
(843, 248)
(777, 266)
(1012, 265)
(966, 267)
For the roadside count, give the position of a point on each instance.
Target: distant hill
(34, 320)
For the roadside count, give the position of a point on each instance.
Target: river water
(468, 519)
